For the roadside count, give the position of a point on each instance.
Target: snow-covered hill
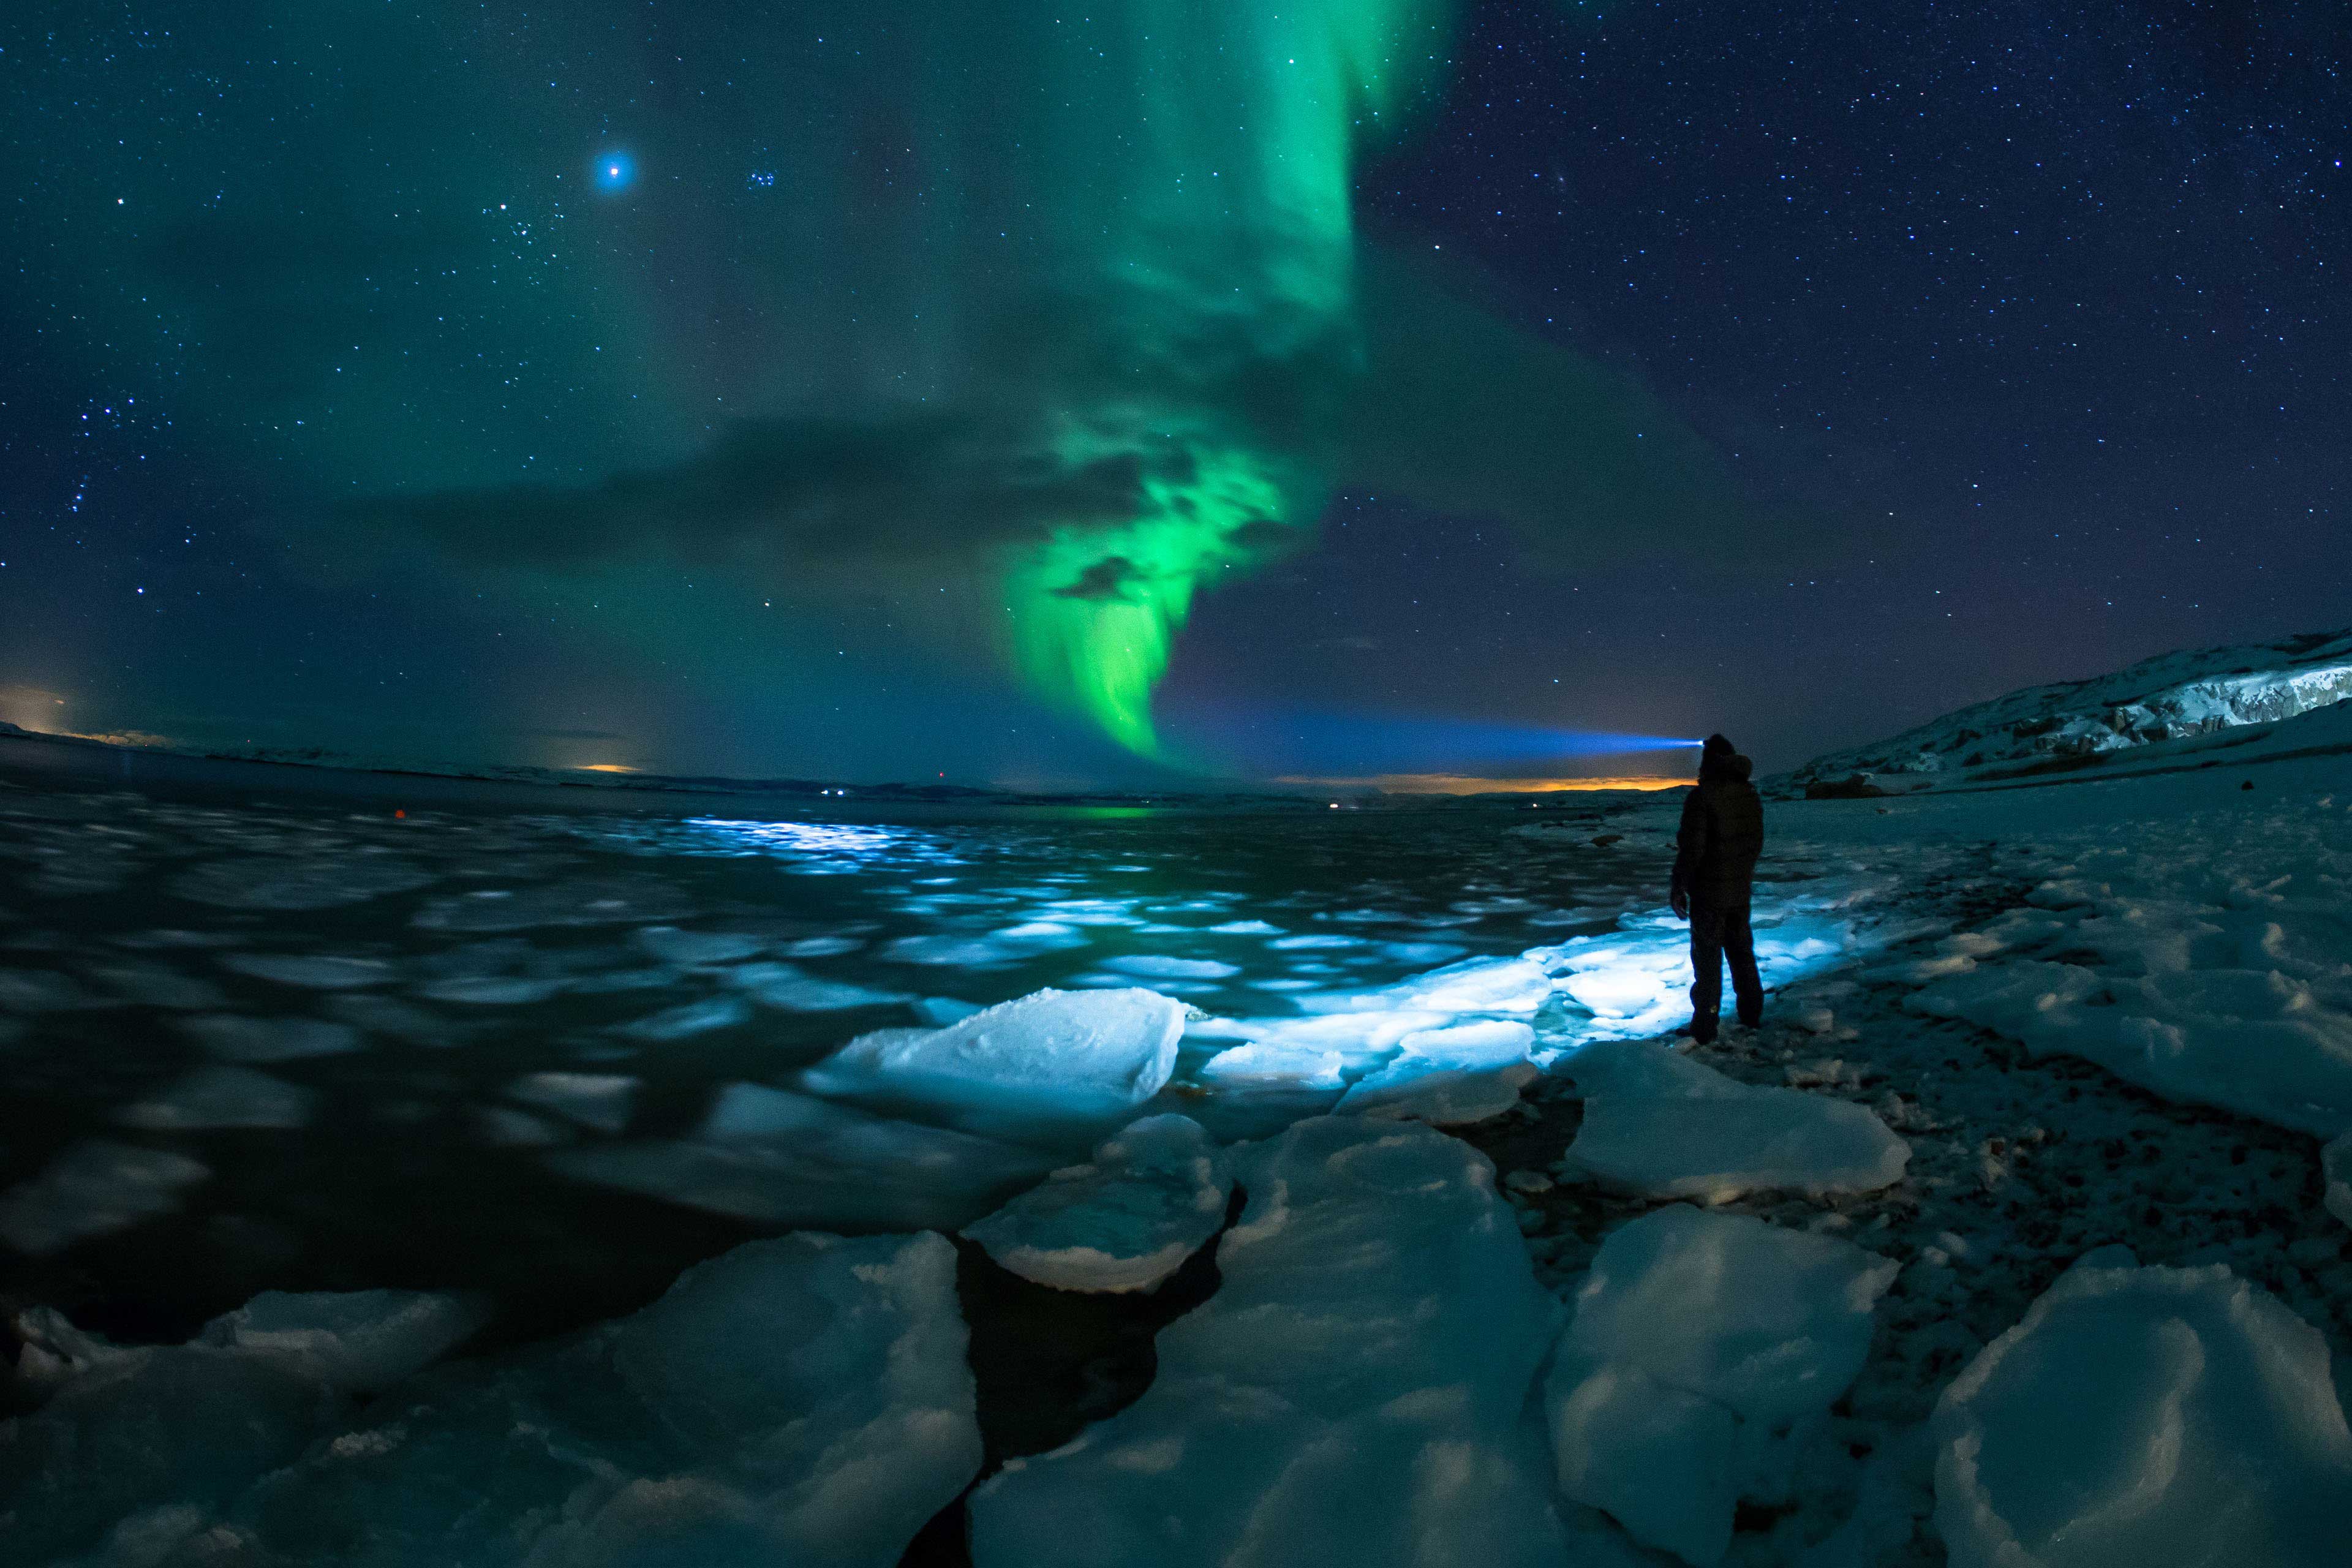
(2175, 703)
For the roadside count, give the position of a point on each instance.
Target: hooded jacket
(1722, 833)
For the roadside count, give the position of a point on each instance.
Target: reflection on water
(556, 1056)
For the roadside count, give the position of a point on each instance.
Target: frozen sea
(381, 1037)
(2016, 1235)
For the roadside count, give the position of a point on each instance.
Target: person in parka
(1714, 867)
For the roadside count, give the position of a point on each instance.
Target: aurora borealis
(780, 388)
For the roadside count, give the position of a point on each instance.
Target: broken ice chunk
(1660, 1123)
(94, 1187)
(1154, 1194)
(1076, 1054)
(2145, 1416)
(220, 1097)
(1351, 1394)
(1259, 1065)
(236, 1038)
(1704, 1348)
(600, 1101)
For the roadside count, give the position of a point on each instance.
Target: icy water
(302, 1042)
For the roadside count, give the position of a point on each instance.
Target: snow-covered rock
(1704, 1350)
(1154, 1194)
(2140, 1416)
(1353, 1393)
(1079, 1054)
(781, 1158)
(2171, 698)
(1659, 1124)
(149, 1441)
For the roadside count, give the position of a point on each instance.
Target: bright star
(615, 172)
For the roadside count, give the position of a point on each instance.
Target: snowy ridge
(2171, 698)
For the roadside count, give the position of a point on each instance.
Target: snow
(220, 1097)
(2145, 1416)
(1353, 1392)
(2219, 981)
(95, 1187)
(1659, 1124)
(1704, 1349)
(1153, 1197)
(2171, 698)
(1059, 1054)
(799, 1400)
(781, 1158)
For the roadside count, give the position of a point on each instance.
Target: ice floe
(800, 1400)
(138, 1449)
(1657, 1123)
(1704, 1348)
(604, 1102)
(220, 1095)
(2144, 1415)
(782, 1158)
(234, 1038)
(1450, 1076)
(792, 989)
(1152, 1196)
(284, 884)
(2336, 1170)
(95, 1187)
(311, 971)
(1353, 1393)
(1080, 1055)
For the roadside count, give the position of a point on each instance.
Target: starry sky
(1156, 391)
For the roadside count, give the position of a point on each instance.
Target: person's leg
(1739, 948)
(1706, 970)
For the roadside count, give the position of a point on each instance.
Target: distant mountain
(2175, 703)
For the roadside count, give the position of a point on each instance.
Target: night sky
(1156, 390)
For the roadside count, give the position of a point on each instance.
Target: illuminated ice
(1283, 1066)
(1154, 1194)
(1152, 965)
(496, 990)
(1013, 944)
(604, 1102)
(1084, 1054)
(781, 1158)
(1353, 1393)
(1451, 1076)
(2145, 1416)
(1704, 1348)
(1659, 1124)
(95, 1187)
(220, 1097)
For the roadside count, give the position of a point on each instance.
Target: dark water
(424, 990)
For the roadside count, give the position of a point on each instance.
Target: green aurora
(1053, 321)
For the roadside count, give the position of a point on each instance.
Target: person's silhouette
(1715, 869)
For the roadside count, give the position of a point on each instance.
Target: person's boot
(1701, 1030)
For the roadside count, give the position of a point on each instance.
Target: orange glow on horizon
(1460, 783)
(604, 768)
